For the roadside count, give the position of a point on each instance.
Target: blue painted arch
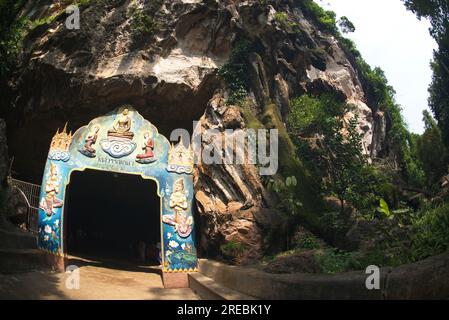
(98, 146)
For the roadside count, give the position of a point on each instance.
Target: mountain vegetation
(336, 197)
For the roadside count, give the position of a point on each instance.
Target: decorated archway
(122, 141)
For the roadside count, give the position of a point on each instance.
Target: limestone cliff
(162, 57)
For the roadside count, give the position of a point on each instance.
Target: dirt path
(97, 281)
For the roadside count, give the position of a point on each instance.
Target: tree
(437, 11)
(330, 145)
(12, 31)
(345, 160)
(346, 25)
(431, 152)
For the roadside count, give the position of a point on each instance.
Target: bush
(12, 32)
(325, 18)
(235, 73)
(333, 260)
(309, 114)
(285, 21)
(285, 191)
(309, 242)
(281, 17)
(143, 24)
(232, 250)
(431, 232)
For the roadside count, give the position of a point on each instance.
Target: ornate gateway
(123, 142)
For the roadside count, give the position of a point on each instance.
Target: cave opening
(112, 217)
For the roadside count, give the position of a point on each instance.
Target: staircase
(18, 250)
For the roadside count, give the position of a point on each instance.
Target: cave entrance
(112, 217)
(115, 188)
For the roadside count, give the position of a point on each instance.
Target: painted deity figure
(121, 127)
(181, 221)
(148, 148)
(90, 140)
(50, 202)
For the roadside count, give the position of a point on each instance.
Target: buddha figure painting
(50, 203)
(180, 220)
(90, 140)
(119, 141)
(122, 127)
(148, 147)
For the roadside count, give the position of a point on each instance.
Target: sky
(390, 37)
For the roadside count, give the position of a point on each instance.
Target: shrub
(12, 32)
(143, 24)
(431, 232)
(285, 21)
(281, 17)
(333, 260)
(235, 73)
(308, 242)
(232, 250)
(286, 192)
(308, 113)
(325, 18)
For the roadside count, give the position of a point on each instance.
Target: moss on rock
(307, 188)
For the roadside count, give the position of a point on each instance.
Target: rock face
(162, 57)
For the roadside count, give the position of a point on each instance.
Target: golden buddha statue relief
(121, 127)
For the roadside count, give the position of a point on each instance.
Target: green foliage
(285, 21)
(432, 154)
(384, 208)
(286, 192)
(252, 122)
(387, 191)
(381, 96)
(232, 249)
(371, 185)
(83, 2)
(12, 32)
(424, 234)
(143, 23)
(325, 18)
(350, 46)
(339, 157)
(309, 114)
(281, 17)
(308, 242)
(345, 160)
(437, 11)
(235, 74)
(307, 188)
(346, 25)
(45, 21)
(431, 232)
(332, 260)
(380, 256)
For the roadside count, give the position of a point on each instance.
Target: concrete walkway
(97, 281)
